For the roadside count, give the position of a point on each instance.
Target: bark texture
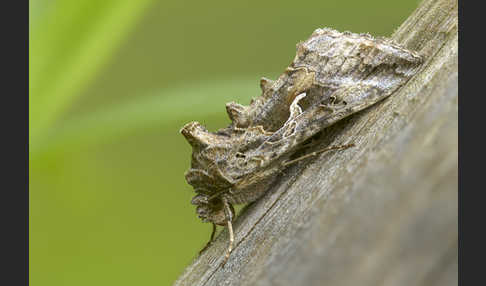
(381, 213)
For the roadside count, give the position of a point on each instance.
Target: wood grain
(381, 213)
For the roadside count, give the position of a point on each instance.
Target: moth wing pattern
(332, 76)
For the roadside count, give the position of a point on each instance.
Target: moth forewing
(332, 76)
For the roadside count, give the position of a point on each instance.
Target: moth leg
(339, 147)
(230, 245)
(229, 213)
(210, 240)
(311, 143)
(217, 194)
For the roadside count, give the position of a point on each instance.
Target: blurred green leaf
(116, 176)
(164, 108)
(69, 43)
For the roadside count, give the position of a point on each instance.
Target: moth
(332, 76)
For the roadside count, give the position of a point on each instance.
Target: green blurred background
(111, 83)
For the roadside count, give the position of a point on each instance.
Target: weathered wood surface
(381, 213)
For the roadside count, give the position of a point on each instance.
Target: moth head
(211, 210)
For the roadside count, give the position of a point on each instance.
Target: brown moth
(332, 76)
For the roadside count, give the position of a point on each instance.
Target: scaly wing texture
(340, 74)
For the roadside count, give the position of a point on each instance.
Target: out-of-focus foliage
(111, 83)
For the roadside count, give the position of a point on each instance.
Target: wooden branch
(381, 213)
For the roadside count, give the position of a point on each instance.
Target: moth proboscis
(332, 76)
